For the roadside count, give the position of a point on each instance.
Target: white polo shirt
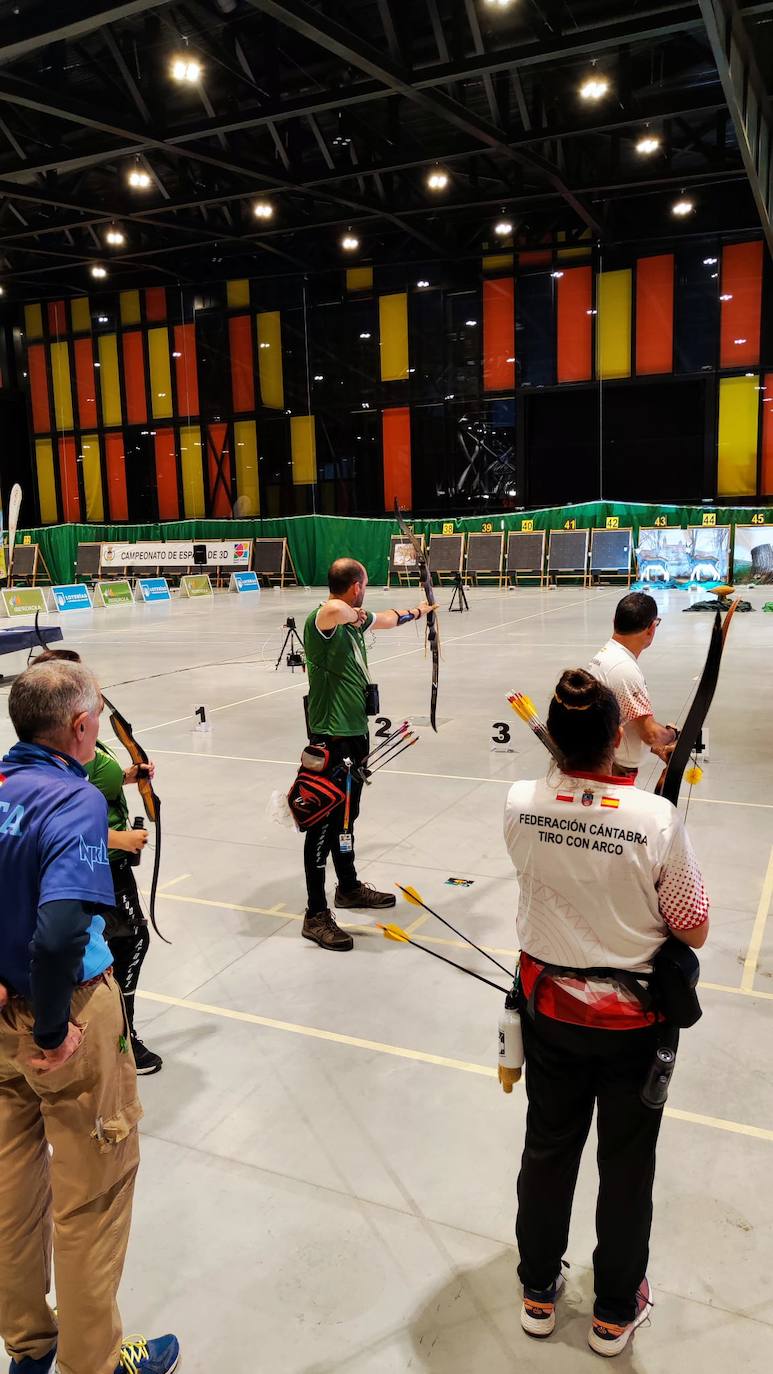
(619, 670)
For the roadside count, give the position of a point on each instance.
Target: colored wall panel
(575, 325)
(80, 313)
(396, 434)
(393, 322)
(737, 454)
(242, 374)
(166, 475)
(219, 470)
(134, 377)
(359, 278)
(303, 442)
(185, 369)
(68, 479)
(739, 339)
(38, 377)
(115, 465)
(247, 469)
(499, 262)
(237, 293)
(160, 374)
(270, 359)
(655, 314)
(57, 319)
(85, 383)
(60, 376)
(613, 333)
(130, 307)
(33, 321)
(155, 303)
(499, 334)
(92, 477)
(191, 453)
(109, 385)
(44, 464)
(766, 476)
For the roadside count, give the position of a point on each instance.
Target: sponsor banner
(177, 553)
(23, 601)
(153, 589)
(197, 584)
(113, 594)
(244, 582)
(72, 596)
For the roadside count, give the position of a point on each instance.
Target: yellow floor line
(758, 933)
(174, 881)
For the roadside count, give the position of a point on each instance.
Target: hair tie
(567, 707)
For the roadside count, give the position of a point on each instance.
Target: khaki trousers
(78, 1198)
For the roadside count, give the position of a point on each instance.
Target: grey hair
(46, 698)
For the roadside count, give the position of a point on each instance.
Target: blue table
(21, 637)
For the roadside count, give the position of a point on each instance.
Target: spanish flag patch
(610, 801)
(565, 796)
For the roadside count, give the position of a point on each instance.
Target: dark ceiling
(335, 110)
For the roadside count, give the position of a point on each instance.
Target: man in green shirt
(337, 661)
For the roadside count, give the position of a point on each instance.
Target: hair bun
(577, 690)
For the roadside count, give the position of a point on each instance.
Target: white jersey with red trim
(605, 871)
(619, 670)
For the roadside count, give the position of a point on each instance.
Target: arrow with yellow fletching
(526, 710)
(393, 932)
(411, 895)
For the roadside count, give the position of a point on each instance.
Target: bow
(152, 803)
(433, 632)
(671, 779)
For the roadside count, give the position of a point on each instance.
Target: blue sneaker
(33, 1366)
(139, 1356)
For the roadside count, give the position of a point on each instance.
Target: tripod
(459, 593)
(295, 657)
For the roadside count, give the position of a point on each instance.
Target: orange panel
(36, 366)
(575, 325)
(68, 480)
(219, 466)
(57, 319)
(767, 437)
(185, 369)
(85, 383)
(155, 303)
(540, 257)
(740, 319)
(396, 435)
(499, 334)
(134, 377)
(655, 314)
(166, 476)
(115, 462)
(242, 374)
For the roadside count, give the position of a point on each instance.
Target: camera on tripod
(295, 656)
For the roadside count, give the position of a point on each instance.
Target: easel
(459, 593)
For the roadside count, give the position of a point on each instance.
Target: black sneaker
(145, 1060)
(365, 898)
(322, 929)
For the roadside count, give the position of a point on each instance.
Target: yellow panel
(272, 392)
(247, 473)
(613, 333)
(238, 293)
(92, 477)
(738, 408)
(393, 317)
(130, 307)
(80, 311)
(494, 262)
(44, 462)
(33, 321)
(60, 375)
(191, 454)
(160, 374)
(359, 278)
(108, 380)
(303, 437)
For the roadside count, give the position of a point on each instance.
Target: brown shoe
(365, 897)
(322, 929)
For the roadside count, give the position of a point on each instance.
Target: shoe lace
(133, 1350)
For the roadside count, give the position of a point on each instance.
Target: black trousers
(323, 840)
(127, 935)
(569, 1069)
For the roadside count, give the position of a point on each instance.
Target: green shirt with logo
(337, 664)
(106, 774)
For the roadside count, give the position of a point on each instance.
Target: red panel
(767, 436)
(36, 366)
(541, 257)
(219, 472)
(499, 334)
(185, 368)
(166, 475)
(740, 319)
(396, 432)
(155, 303)
(655, 314)
(115, 461)
(134, 377)
(575, 325)
(57, 318)
(68, 477)
(85, 383)
(242, 373)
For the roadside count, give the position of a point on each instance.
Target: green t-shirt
(337, 663)
(106, 774)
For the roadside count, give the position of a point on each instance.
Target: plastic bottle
(510, 1045)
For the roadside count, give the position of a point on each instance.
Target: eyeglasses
(654, 623)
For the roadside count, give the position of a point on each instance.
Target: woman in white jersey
(606, 873)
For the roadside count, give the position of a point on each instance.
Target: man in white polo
(617, 666)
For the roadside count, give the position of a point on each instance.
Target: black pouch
(372, 703)
(675, 974)
(316, 758)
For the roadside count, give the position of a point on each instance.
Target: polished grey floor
(329, 1164)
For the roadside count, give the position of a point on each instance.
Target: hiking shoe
(365, 898)
(140, 1356)
(322, 929)
(145, 1060)
(610, 1338)
(538, 1313)
(33, 1366)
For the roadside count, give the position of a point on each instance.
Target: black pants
(127, 935)
(323, 839)
(568, 1070)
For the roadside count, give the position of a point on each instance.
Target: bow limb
(699, 709)
(150, 800)
(433, 631)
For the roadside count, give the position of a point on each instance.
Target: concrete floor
(329, 1164)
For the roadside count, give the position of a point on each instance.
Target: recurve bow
(433, 631)
(671, 780)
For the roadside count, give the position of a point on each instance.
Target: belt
(90, 983)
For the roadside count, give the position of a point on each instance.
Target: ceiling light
(709, 262)
(319, 377)
(263, 209)
(185, 69)
(98, 271)
(139, 178)
(350, 243)
(176, 355)
(682, 208)
(102, 319)
(726, 296)
(437, 180)
(503, 227)
(648, 144)
(594, 88)
(557, 275)
(471, 323)
(365, 335)
(422, 283)
(115, 238)
(2, 290)
(739, 341)
(591, 312)
(498, 4)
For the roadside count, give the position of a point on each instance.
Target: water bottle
(139, 824)
(510, 1045)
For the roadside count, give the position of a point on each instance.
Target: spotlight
(498, 4)
(350, 243)
(139, 178)
(594, 88)
(422, 283)
(557, 275)
(503, 227)
(185, 69)
(709, 262)
(648, 144)
(682, 208)
(364, 335)
(98, 271)
(263, 209)
(115, 238)
(437, 180)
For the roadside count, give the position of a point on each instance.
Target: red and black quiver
(316, 790)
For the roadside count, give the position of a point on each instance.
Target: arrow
(411, 895)
(393, 932)
(524, 708)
